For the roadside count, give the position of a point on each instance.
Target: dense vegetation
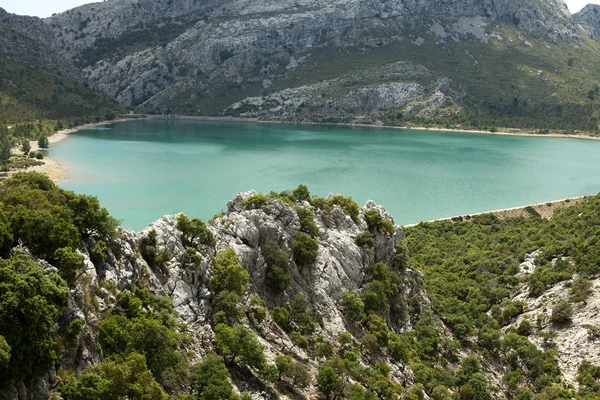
(471, 271)
(49, 222)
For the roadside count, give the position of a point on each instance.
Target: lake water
(142, 170)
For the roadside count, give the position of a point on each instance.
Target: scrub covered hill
(37, 81)
(287, 295)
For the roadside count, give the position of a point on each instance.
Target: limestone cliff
(340, 265)
(29, 40)
(589, 19)
(288, 58)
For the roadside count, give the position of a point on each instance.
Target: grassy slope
(28, 93)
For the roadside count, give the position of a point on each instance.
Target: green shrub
(98, 253)
(144, 323)
(581, 290)
(329, 383)
(305, 249)
(228, 274)
(307, 221)
(281, 316)
(365, 239)
(399, 347)
(74, 328)
(68, 262)
(525, 328)
(293, 372)
(43, 142)
(269, 373)
(39, 156)
(348, 206)
(355, 308)
(194, 229)
(277, 279)
(277, 260)
(256, 201)
(240, 345)
(562, 313)
(226, 303)
(193, 257)
(510, 311)
(301, 314)
(211, 379)
(4, 354)
(301, 194)
(31, 302)
(122, 377)
(378, 224)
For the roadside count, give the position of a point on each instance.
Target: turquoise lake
(142, 170)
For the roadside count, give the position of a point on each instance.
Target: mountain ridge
(213, 58)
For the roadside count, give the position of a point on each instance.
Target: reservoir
(141, 170)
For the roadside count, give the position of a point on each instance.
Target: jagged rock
(213, 45)
(589, 20)
(340, 265)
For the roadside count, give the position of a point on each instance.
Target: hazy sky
(45, 8)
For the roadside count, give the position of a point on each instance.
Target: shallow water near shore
(141, 170)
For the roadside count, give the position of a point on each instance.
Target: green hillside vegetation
(470, 268)
(550, 85)
(27, 93)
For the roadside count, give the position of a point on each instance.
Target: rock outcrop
(340, 265)
(589, 20)
(30, 41)
(181, 56)
(574, 341)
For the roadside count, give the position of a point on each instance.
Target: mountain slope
(36, 80)
(204, 58)
(589, 19)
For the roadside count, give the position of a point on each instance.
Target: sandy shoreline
(57, 172)
(502, 132)
(53, 168)
(545, 210)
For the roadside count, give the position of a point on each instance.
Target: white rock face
(589, 20)
(197, 49)
(340, 265)
(573, 342)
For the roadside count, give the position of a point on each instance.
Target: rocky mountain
(30, 41)
(589, 19)
(318, 60)
(341, 265)
(38, 80)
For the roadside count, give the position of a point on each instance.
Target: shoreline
(545, 210)
(500, 132)
(53, 168)
(57, 172)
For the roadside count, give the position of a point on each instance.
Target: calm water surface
(144, 169)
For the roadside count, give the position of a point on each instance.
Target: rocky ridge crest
(340, 265)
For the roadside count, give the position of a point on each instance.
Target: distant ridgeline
(523, 63)
(288, 294)
(470, 64)
(37, 82)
